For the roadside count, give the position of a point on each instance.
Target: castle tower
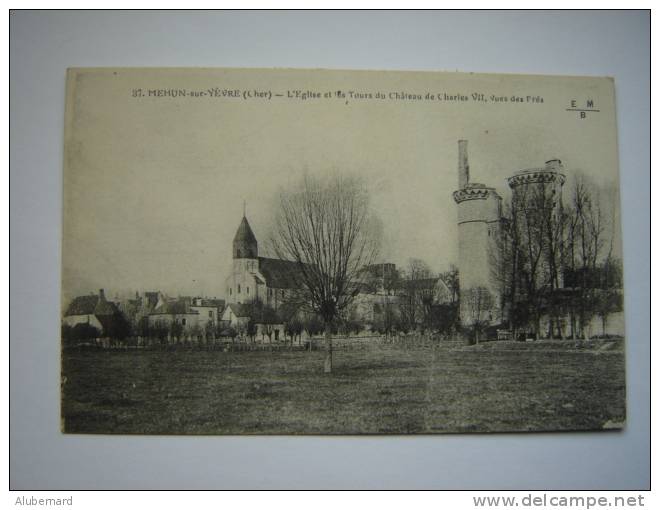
(479, 223)
(539, 188)
(537, 201)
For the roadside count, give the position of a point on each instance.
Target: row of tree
(556, 260)
(547, 260)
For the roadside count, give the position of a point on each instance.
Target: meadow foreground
(374, 389)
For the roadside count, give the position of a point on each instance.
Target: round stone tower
(537, 202)
(479, 223)
(538, 188)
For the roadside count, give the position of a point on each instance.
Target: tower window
(230, 291)
(247, 289)
(239, 288)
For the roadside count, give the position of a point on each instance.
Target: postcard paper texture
(279, 251)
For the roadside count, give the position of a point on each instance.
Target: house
(269, 331)
(96, 311)
(137, 310)
(235, 315)
(267, 325)
(430, 290)
(174, 311)
(382, 278)
(383, 290)
(209, 310)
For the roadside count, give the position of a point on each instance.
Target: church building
(253, 278)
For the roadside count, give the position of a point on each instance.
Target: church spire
(245, 243)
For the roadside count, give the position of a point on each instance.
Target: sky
(154, 185)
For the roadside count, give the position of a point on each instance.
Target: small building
(137, 310)
(269, 332)
(209, 310)
(176, 311)
(235, 315)
(268, 326)
(97, 312)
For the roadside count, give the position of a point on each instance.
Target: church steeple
(245, 243)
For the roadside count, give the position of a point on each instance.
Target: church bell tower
(241, 283)
(245, 243)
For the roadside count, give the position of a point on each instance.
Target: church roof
(281, 274)
(244, 234)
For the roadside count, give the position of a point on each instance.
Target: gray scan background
(44, 44)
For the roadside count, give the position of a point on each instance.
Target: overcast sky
(154, 186)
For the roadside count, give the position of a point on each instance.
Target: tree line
(555, 260)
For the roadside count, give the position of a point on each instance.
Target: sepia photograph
(325, 252)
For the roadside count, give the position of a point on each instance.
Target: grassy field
(503, 386)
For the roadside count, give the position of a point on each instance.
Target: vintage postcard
(280, 251)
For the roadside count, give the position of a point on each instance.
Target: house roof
(427, 282)
(218, 303)
(90, 305)
(239, 310)
(420, 283)
(151, 298)
(82, 305)
(287, 311)
(281, 274)
(104, 307)
(177, 307)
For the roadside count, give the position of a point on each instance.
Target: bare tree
(451, 280)
(535, 213)
(196, 333)
(526, 259)
(387, 320)
(547, 260)
(326, 227)
(293, 327)
(505, 257)
(209, 332)
(479, 301)
(585, 240)
(414, 299)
